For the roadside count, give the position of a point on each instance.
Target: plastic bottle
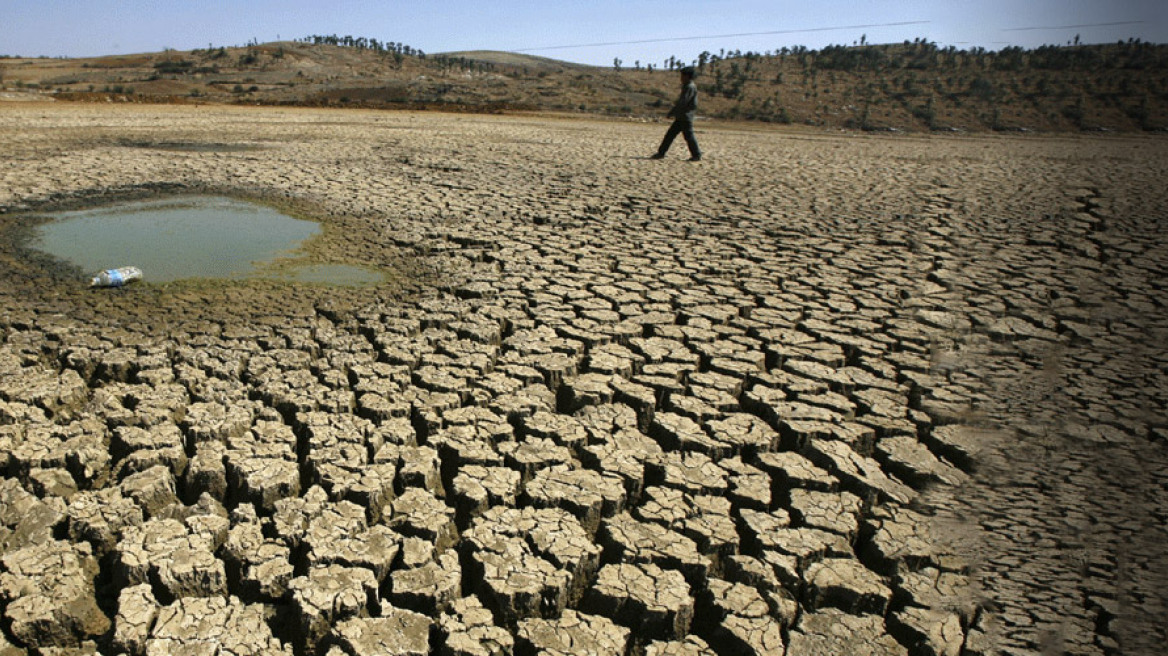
(116, 277)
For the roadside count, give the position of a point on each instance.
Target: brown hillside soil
(914, 87)
(816, 394)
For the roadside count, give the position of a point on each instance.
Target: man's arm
(686, 102)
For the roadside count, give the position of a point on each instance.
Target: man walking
(683, 117)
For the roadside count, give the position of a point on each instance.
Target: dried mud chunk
(59, 395)
(612, 460)
(790, 470)
(518, 584)
(602, 422)
(719, 399)
(751, 571)
(552, 534)
(79, 447)
(900, 539)
(750, 487)
(555, 367)
(641, 398)
(805, 545)
(654, 602)
(100, 517)
(155, 404)
(262, 481)
(216, 422)
(380, 408)
(397, 431)
(564, 430)
(164, 552)
(33, 447)
(846, 584)
(613, 360)
(746, 433)
(430, 588)
(400, 632)
(722, 599)
(692, 407)
(837, 512)
(340, 535)
(488, 424)
(693, 473)
(49, 596)
(621, 450)
(469, 630)
(329, 595)
(534, 454)
(417, 466)
(960, 445)
(584, 390)
(573, 634)
(561, 539)
(935, 632)
(527, 401)
(569, 558)
(459, 446)
(332, 465)
(417, 513)
(260, 568)
(478, 488)
(138, 449)
(206, 472)
(586, 494)
(665, 386)
(52, 483)
(213, 625)
(750, 636)
(860, 474)
(678, 433)
(691, 646)
(704, 519)
(137, 611)
(631, 541)
(292, 516)
(372, 488)
(912, 461)
(933, 588)
(829, 632)
(153, 489)
(25, 519)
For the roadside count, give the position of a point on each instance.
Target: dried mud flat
(819, 394)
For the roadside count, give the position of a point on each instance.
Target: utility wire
(1069, 27)
(722, 36)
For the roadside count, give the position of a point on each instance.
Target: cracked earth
(819, 394)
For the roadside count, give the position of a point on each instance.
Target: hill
(514, 59)
(914, 86)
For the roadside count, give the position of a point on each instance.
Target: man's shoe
(695, 159)
(657, 156)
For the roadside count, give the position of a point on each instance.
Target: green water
(192, 237)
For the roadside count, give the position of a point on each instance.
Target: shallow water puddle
(193, 237)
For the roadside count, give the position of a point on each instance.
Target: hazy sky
(646, 30)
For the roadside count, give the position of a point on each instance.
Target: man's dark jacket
(687, 103)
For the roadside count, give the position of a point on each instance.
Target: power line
(722, 36)
(1070, 27)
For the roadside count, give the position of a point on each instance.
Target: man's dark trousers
(685, 128)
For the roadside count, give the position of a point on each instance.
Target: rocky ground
(818, 394)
